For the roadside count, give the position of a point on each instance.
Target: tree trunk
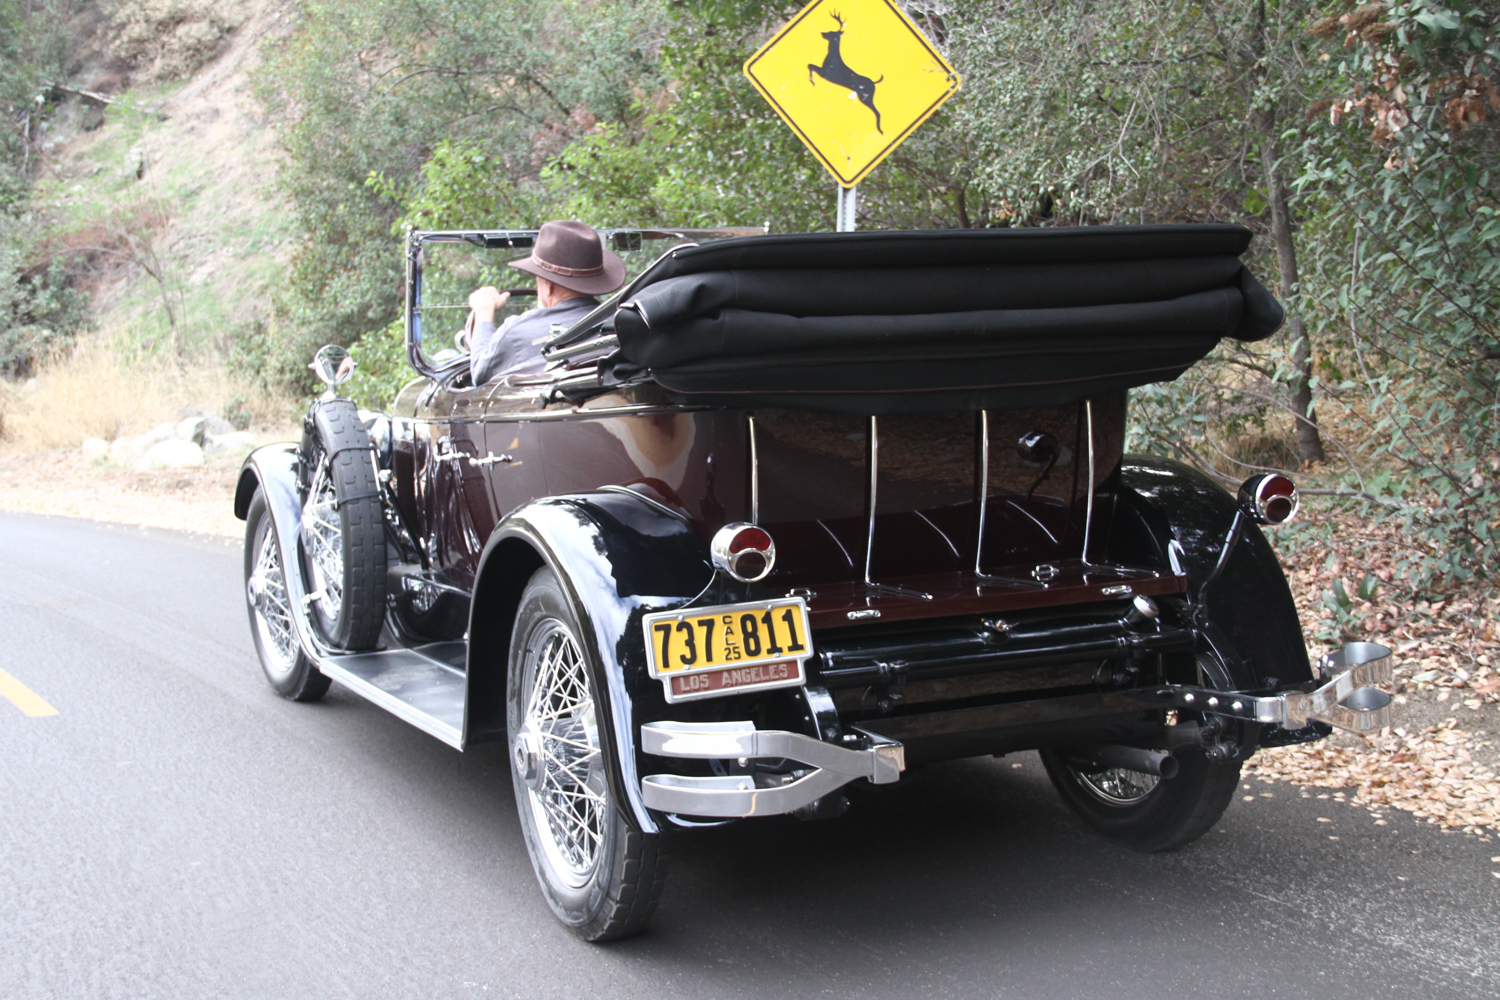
(1309, 440)
(1247, 65)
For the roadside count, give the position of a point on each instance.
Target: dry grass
(97, 390)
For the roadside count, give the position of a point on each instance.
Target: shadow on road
(971, 879)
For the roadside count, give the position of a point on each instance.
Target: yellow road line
(23, 697)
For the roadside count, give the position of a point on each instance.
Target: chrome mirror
(332, 364)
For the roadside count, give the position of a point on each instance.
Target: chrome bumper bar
(1346, 699)
(878, 760)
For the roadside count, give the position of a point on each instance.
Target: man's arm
(484, 342)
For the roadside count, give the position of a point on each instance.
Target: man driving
(571, 267)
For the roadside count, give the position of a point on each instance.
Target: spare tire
(342, 542)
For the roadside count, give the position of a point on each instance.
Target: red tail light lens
(744, 551)
(750, 538)
(1270, 498)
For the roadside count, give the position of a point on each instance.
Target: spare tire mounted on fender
(342, 541)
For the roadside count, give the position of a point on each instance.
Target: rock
(161, 432)
(172, 455)
(183, 412)
(192, 429)
(217, 425)
(226, 444)
(95, 450)
(127, 451)
(32, 385)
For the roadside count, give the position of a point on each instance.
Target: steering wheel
(461, 338)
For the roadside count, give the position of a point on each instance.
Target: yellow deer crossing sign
(853, 78)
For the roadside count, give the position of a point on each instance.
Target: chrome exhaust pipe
(1158, 762)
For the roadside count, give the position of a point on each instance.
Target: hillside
(156, 188)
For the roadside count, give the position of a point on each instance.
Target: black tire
(343, 528)
(604, 884)
(288, 670)
(1172, 813)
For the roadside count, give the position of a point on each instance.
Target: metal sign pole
(847, 200)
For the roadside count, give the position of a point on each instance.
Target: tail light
(744, 551)
(1270, 498)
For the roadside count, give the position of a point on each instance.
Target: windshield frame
(525, 239)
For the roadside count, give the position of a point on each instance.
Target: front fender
(273, 470)
(1170, 515)
(618, 557)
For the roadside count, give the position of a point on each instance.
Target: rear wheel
(287, 669)
(600, 875)
(1141, 811)
(343, 532)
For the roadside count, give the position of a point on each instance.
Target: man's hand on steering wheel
(487, 301)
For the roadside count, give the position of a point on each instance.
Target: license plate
(709, 652)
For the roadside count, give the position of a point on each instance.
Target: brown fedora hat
(569, 254)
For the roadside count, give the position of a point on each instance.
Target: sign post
(847, 201)
(853, 79)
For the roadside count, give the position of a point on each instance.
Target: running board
(420, 686)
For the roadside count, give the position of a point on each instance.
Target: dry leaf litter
(1438, 761)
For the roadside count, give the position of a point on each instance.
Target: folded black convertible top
(889, 322)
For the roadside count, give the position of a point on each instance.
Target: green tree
(1144, 112)
(38, 308)
(1404, 249)
(372, 90)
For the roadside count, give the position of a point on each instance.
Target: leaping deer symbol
(836, 72)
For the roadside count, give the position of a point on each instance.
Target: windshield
(444, 267)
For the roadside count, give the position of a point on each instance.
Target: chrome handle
(491, 460)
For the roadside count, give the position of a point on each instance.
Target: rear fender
(618, 557)
(1170, 515)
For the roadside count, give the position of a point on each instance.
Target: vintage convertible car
(794, 511)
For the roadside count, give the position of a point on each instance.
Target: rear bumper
(1347, 697)
(829, 768)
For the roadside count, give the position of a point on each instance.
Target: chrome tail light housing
(745, 551)
(1270, 498)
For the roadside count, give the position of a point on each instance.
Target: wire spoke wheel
(269, 608)
(323, 541)
(277, 645)
(1116, 786)
(599, 872)
(560, 754)
(1142, 811)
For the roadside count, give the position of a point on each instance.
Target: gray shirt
(513, 346)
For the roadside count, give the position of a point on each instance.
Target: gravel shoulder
(1439, 762)
(61, 483)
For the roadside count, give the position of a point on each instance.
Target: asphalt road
(176, 830)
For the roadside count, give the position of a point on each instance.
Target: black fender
(618, 557)
(259, 464)
(1169, 515)
(274, 470)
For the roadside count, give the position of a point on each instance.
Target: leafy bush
(1403, 185)
(507, 80)
(380, 368)
(40, 313)
(40, 309)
